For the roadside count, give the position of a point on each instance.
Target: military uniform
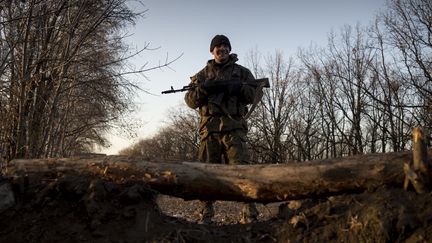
(223, 128)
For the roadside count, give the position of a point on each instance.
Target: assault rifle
(220, 84)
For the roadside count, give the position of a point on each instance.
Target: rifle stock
(256, 82)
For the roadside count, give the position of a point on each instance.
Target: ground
(84, 208)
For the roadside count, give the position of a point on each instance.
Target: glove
(201, 89)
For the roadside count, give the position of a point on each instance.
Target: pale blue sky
(187, 27)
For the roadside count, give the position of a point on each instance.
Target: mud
(85, 208)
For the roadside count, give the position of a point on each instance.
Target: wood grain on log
(260, 183)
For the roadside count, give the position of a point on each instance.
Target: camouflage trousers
(228, 148)
(224, 147)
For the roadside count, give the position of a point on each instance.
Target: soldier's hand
(201, 89)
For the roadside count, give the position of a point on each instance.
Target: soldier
(223, 127)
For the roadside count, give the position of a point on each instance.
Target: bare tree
(408, 28)
(62, 74)
(389, 96)
(268, 124)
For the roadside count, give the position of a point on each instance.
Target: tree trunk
(259, 183)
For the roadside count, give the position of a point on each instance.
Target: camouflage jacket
(227, 113)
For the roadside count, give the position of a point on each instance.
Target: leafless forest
(63, 85)
(62, 75)
(361, 93)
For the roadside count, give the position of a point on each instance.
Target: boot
(249, 214)
(207, 212)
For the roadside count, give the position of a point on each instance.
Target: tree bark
(418, 172)
(260, 183)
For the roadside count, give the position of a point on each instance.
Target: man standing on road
(223, 126)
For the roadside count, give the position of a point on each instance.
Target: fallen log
(260, 183)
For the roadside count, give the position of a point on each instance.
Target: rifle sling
(258, 96)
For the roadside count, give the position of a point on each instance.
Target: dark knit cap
(218, 40)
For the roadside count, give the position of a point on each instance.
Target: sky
(184, 28)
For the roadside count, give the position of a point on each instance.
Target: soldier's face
(221, 53)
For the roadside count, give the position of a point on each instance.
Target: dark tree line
(176, 141)
(361, 93)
